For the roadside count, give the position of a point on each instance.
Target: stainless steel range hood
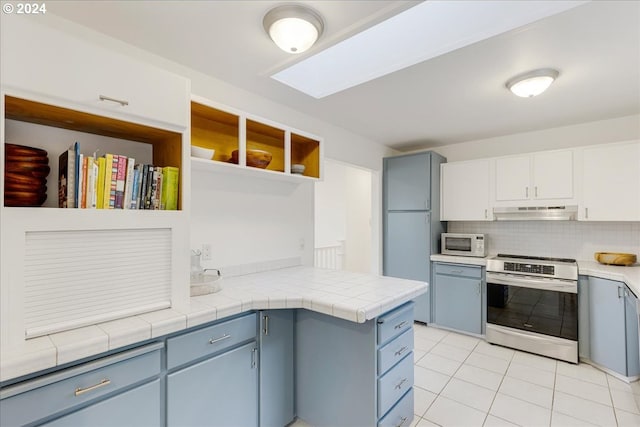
(536, 213)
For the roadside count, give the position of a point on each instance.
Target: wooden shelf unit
(225, 130)
(216, 129)
(267, 138)
(306, 151)
(167, 145)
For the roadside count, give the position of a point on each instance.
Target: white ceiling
(456, 97)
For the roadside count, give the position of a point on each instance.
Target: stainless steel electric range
(532, 305)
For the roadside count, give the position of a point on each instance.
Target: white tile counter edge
(629, 275)
(351, 296)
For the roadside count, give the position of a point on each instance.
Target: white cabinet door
(552, 175)
(47, 61)
(512, 178)
(537, 179)
(465, 191)
(611, 183)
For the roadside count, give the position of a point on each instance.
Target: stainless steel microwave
(465, 244)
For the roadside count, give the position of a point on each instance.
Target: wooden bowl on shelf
(615, 258)
(25, 176)
(255, 158)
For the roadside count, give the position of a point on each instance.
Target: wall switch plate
(206, 252)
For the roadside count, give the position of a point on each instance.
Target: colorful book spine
(128, 184)
(101, 163)
(135, 190)
(82, 182)
(121, 176)
(171, 177)
(77, 169)
(157, 195)
(66, 178)
(153, 176)
(113, 181)
(92, 183)
(148, 188)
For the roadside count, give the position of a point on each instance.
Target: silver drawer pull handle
(402, 350)
(399, 385)
(118, 101)
(402, 421)
(102, 383)
(400, 325)
(215, 340)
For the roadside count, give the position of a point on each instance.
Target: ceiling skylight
(427, 30)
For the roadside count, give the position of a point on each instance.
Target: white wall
(358, 218)
(246, 226)
(597, 132)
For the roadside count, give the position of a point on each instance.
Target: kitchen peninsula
(356, 317)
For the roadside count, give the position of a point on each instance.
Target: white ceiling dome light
(532, 83)
(293, 27)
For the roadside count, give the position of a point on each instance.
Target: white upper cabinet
(465, 191)
(611, 183)
(46, 61)
(540, 178)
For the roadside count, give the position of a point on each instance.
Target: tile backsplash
(569, 239)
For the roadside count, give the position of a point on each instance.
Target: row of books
(114, 181)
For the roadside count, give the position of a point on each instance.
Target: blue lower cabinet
(401, 414)
(139, 407)
(120, 389)
(354, 374)
(276, 368)
(613, 327)
(457, 297)
(607, 324)
(220, 391)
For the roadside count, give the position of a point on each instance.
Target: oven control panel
(529, 268)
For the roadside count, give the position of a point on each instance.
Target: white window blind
(79, 278)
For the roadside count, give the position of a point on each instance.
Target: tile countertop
(351, 296)
(629, 275)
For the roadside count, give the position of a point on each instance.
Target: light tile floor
(463, 381)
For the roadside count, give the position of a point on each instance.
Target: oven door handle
(556, 285)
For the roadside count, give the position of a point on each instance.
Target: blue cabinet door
(407, 182)
(458, 303)
(276, 368)
(407, 246)
(220, 391)
(631, 320)
(137, 407)
(607, 324)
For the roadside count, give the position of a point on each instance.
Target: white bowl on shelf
(202, 153)
(297, 169)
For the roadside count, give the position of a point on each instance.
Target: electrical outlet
(302, 243)
(206, 252)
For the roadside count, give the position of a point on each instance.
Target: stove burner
(537, 258)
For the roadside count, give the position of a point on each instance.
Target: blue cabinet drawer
(394, 351)
(139, 407)
(45, 396)
(394, 323)
(459, 270)
(401, 414)
(394, 384)
(194, 345)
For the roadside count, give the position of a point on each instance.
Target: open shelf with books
(94, 261)
(53, 129)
